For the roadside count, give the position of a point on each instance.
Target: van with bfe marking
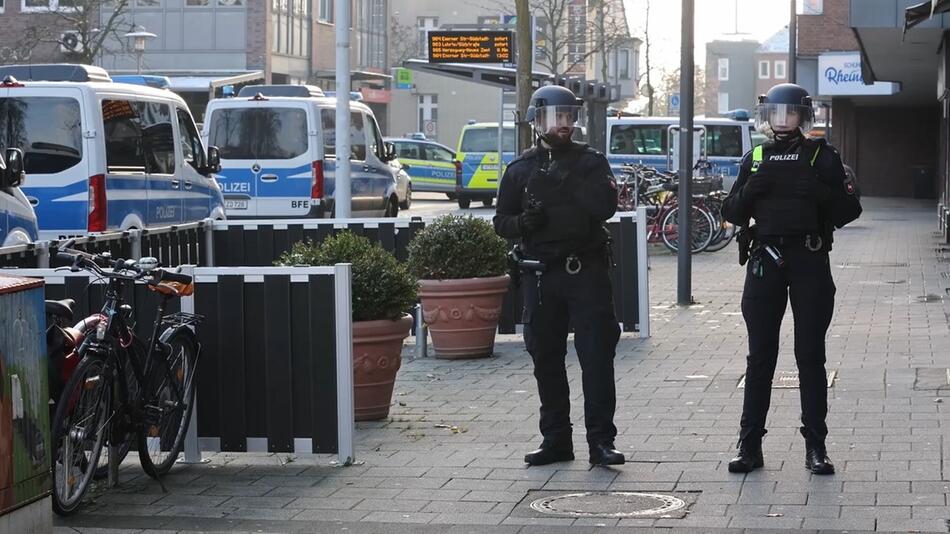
(17, 219)
(278, 156)
(647, 140)
(103, 156)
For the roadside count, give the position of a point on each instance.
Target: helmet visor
(556, 120)
(782, 118)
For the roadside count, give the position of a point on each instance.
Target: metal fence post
(209, 242)
(643, 270)
(346, 422)
(42, 254)
(136, 243)
(191, 449)
(422, 334)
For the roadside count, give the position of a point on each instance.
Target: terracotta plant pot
(462, 315)
(377, 349)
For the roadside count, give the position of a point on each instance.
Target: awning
(923, 11)
(356, 75)
(197, 84)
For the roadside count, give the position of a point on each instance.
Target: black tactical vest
(782, 211)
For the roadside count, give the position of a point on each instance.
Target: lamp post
(139, 39)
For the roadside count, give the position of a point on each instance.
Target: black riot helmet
(787, 106)
(553, 112)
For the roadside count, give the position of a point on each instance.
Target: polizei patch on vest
(784, 157)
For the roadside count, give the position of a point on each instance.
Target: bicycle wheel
(701, 226)
(169, 398)
(727, 231)
(126, 434)
(79, 430)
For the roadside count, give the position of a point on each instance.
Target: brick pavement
(678, 411)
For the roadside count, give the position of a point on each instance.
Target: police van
(105, 156)
(17, 219)
(478, 154)
(278, 157)
(654, 141)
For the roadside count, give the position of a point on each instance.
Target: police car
(278, 156)
(17, 220)
(432, 166)
(102, 155)
(647, 140)
(478, 153)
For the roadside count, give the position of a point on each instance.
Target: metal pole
(501, 129)
(792, 41)
(346, 423)
(341, 175)
(684, 286)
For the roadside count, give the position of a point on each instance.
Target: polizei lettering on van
(784, 157)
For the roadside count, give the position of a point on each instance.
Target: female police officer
(796, 190)
(555, 198)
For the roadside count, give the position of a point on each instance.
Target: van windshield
(259, 133)
(47, 129)
(486, 140)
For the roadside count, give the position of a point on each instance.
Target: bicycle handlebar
(80, 260)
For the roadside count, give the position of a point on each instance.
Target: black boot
(551, 451)
(605, 454)
(816, 455)
(750, 455)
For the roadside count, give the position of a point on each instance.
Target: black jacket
(578, 179)
(842, 205)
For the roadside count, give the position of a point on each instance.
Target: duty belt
(812, 242)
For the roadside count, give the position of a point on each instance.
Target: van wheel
(464, 203)
(404, 205)
(452, 196)
(487, 202)
(392, 207)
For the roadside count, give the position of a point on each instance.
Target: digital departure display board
(470, 47)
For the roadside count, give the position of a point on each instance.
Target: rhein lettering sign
(840, 74)
(470, 47)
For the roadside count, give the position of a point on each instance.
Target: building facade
(771, 62)
(730, 76)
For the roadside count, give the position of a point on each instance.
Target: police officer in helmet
(796, 190)
(555, 199)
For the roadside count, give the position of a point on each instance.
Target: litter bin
(25, 483)
(924, 181)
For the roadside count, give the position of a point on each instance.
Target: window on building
(623, 63)
(48, 5)
(148, 3)
(723, 69)
(2, 5)
(198, 3)
(780, 69)
(425, 24)
(723, 106)
(326, 11)
(428, 111)
(763, 70)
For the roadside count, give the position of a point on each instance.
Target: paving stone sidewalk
(449, 459)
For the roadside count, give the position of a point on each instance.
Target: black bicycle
(98, 407)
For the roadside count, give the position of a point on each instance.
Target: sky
(715, 19)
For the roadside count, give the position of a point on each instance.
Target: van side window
(122, 127)
(357, 137)
(328, 122)
(647, 139)
(436, 153)
(47, 129)
(724, 141)
(190, 142)
(159, 138)
(409, 151)
(375, 137)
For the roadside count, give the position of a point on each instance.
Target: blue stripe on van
(53, 214)
(237, 181)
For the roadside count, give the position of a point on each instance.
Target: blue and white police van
(17, 219)
(278, 158)
(103, 156)
(654, 141)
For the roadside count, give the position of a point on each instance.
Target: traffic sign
(403, 78)
(430, 128)
(674, 104)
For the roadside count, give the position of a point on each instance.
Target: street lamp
(139, 39)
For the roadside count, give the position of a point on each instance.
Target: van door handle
(188, 185)
(268, 177)
(176, 184)
(366, 168)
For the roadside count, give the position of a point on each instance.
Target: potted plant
(460, 263)
(382, 291)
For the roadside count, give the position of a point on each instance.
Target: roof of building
(776, 44)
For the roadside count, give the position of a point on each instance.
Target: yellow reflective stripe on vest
(756, 158)
(813, 158)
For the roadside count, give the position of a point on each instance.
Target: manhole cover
(611, 504)
(929, 378)
(789, 380)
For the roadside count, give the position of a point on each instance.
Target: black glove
(756, 187)
(812, 188)
(532, 219)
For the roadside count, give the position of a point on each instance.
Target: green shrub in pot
(454, 247)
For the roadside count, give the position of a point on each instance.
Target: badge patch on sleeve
(849, 186)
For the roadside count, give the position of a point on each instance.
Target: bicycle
(97, 408)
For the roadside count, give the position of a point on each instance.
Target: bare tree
(670, 85)
(86, 30)
(645, 74)
(404, 43)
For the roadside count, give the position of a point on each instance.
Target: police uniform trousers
(583, 301)
(806, 281)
